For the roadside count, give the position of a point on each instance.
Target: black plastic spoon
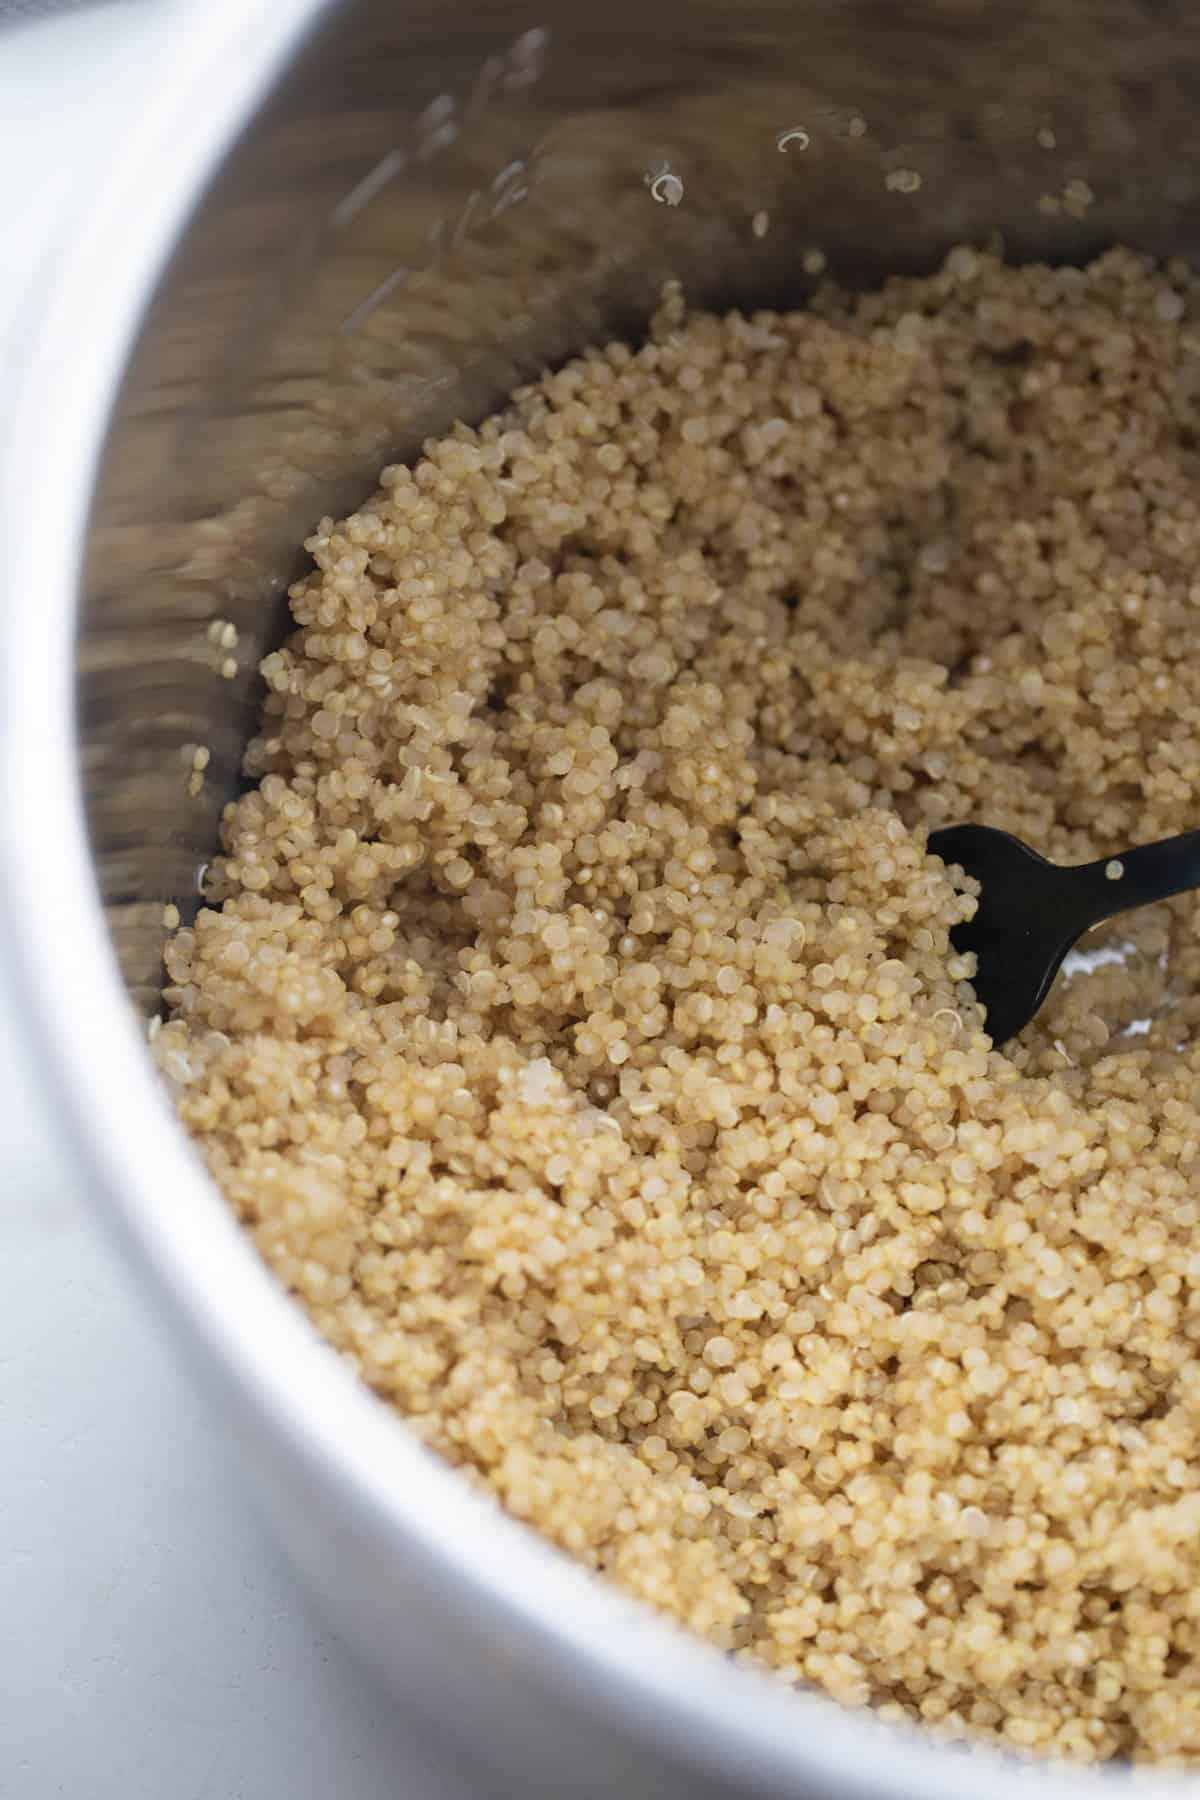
(1031, 911)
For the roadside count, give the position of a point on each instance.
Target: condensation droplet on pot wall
(665, 186)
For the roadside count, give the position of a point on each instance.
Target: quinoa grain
(574, 1024)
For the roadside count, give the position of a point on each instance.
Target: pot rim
(590, 1641)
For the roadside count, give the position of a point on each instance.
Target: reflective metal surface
(408, 208)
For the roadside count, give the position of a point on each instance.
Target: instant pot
(329, 231)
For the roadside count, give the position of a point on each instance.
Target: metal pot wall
(330, 230)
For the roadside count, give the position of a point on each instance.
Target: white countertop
(153, 1646)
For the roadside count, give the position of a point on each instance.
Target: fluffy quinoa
(573, 1019)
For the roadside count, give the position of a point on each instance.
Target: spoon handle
(1117, 884)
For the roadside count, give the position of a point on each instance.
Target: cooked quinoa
(573, 1019)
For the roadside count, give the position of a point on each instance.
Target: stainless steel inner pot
(330, 230)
